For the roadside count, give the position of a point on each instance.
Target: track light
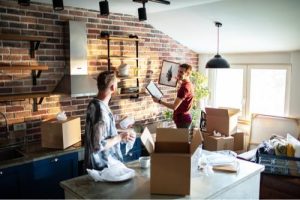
(104, 8)
(58, 5)
(142, 13)
(24, 2)
(217, 61)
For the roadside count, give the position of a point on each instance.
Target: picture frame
(168, 73)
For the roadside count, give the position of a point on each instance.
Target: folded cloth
(115, 172)
(266, 148)
(279, 144)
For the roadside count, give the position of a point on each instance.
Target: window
(252, 88)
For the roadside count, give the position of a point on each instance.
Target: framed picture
(168, 74)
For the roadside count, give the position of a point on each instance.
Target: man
(184, 100)
(101, 137)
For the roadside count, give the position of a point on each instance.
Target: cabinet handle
(1, 172)
(54, 160)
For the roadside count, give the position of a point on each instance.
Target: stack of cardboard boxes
(224, 122)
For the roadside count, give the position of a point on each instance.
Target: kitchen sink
(9, 154)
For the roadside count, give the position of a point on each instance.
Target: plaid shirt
(100, 126)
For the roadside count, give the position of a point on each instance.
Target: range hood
(76, 82)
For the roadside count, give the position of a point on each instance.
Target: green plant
(201, 91)
(168, 115)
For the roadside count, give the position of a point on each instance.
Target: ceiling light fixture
(142, 12)
(58, 5)
(217, 61)
(24, 2)
(104, 8)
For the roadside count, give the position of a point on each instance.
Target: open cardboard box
(60, 134)
(223, 120)
(171, 159)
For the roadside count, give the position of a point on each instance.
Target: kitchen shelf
(33, 40)
(122, 39)
(23, 96)
(22, 67)
(136, 41)
(11, 97)
(133, 95)
(128, 77)
(121, 57)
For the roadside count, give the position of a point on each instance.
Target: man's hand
(126, 136)
(155, 100)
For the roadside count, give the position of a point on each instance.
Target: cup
(144, 161)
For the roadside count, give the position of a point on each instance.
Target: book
(154, 90)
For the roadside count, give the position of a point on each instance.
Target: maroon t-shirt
(186, 93)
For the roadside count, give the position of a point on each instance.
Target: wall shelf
(35, 70)
(22, 97)
(131, 95)
(136, 58)
(21, 67)
(33, 40)
(121, 39)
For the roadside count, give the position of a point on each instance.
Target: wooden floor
(279, 187)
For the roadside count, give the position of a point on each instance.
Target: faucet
(6, 124)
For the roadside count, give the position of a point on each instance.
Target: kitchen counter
(34, 151)
(244, 184)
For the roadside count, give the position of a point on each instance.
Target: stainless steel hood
(76, 82)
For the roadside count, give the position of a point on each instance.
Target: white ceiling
(248, 25)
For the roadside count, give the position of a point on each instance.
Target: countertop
(34, 151)
(202, 186)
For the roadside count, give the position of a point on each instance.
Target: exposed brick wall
(41, 20)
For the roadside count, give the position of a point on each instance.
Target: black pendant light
(58, 5)
(104, 8)
(142, 13)
(217, 61)
(24, 2)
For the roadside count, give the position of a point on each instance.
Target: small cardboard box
(171, 159)
(223, 120)
(60, 134)
(213, 143)
(239, 141)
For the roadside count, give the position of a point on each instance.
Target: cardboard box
(60, 134)
(171, 159)
(223, 120)
(213, 143)
(239, 141)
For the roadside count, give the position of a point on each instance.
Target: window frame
(212, 74)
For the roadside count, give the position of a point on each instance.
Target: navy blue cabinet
(134, 153)
(12, 179)
(47, 174)
(38, 179)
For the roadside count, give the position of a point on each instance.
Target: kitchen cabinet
(38, 179)
(133, 92)
(12, 180)
(47, 173)
(36, 71)
(134, 153)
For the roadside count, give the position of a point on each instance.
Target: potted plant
(201, 91)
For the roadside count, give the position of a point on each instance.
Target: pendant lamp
(217, 61)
